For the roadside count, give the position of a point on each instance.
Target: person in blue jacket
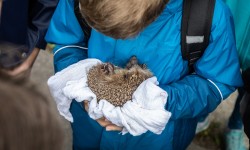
(115, 37)
(23, 25)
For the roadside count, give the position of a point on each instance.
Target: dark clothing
(235, 120)
(25, 22)
(246, 115)
(246, 99)
(246, 79)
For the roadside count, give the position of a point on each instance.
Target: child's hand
(113, 127)
(103, 121)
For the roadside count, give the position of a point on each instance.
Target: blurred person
(27, 119)
(22, 30)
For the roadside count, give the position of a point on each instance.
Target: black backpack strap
(85, 27)
(196, 24)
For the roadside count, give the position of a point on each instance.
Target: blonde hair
(121, 18)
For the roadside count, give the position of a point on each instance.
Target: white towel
(57, 82)
(144, 112)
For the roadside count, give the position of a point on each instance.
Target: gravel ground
(43, 69)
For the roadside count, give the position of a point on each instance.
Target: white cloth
(144, 112)
(57, 82)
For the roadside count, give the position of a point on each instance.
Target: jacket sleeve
(40, 13)
(65, 32)
(217, 72)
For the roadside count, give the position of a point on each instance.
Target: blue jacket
(190, 96)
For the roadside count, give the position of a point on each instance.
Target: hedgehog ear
(132, 62)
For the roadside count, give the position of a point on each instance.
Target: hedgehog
(115, 84)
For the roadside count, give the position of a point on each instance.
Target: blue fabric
(67, 56)
(158, 46)
(241, 13)
(235, 140)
